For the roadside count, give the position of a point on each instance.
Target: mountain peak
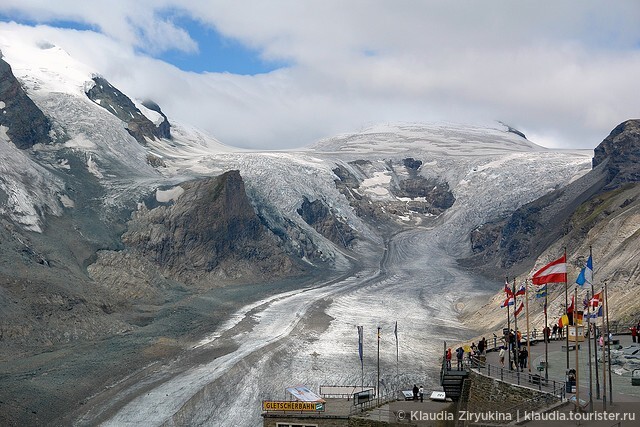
(621, 153)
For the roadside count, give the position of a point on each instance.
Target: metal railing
(521, 378)
(373, 403)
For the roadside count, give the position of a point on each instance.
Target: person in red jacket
(634, 333)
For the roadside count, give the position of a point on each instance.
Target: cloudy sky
(282, 74)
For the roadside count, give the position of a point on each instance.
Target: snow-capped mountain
(135, 239)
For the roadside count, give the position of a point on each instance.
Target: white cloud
(565, 69)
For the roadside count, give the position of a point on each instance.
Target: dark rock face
(26, 124)
(164, 128)
(118, 104)
(320, 217)
(438, 197)
(210, 232)
(621, 152)
(411, 163)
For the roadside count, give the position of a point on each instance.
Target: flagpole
(606, 308)
(589, 347)
(526, 307)
(595, 332)
(604, 359)
(378, 386)
(566, 307)
(508, 337)
(516, 349)
(546, 338)
(575, 328)
(360, 350)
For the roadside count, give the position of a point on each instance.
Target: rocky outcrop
(211, 235)
(164, 128)
(26, 124)
(319, 216)
(436, 197)
(118, 104)
(620, 152)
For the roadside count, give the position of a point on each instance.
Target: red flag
(521, 291)
(554, 272)
(595, 301)
(508, 291)
(507, 302)
(571, 306)
(519, 309)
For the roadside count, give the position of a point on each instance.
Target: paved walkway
(625, 397)
(621, 385)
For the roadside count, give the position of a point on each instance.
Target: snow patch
(92, 167)
(165, 196)
(2, 105)
(66, 201)
(81, 141)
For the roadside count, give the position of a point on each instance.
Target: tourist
(448, 358)
(482, 347)
(459, 356)
(524, 355)
(555, 332)
(501, 355)
(415, 392)
(421, 393)
(634, 333)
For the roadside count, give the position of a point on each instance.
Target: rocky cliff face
(26, 124)
(117, 103)
(319, 216)
(511, 245)
(621, 153)
(209, 236)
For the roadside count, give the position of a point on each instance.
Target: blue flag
(586, 274)
(360, 343)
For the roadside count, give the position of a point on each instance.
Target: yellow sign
(268, 405)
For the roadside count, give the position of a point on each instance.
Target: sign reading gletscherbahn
(269, 405)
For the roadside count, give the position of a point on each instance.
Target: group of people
(475, 350)
(519, 353)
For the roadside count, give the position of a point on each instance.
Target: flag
(563, 321)
(593, 317)
(585, 302)
(507, 302)
(595, 301)
(519, 309)
(554, 272)
(571, 306)
(586, 274)
(520, 291)
(360, 343)
(507, 290)
(541, 291)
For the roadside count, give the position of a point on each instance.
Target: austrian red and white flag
(554, 272)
